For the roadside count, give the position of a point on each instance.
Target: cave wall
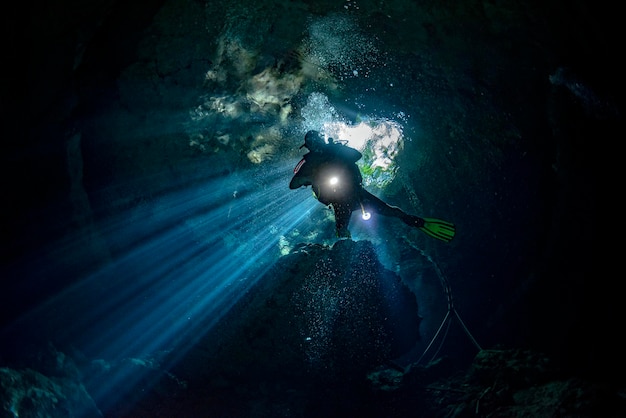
(99, 94)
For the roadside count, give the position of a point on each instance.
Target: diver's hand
(297, 182)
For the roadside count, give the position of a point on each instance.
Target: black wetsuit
(346, 194)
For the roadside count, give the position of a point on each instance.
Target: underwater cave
(156, 263)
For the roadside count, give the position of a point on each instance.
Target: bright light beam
(180, 264)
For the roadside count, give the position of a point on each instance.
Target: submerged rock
(511, 383)
(318, 322)
(326, 309)
(49, 386)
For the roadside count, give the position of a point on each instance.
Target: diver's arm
(299, 181)
(303, 172)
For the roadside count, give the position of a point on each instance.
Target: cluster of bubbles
(318, 111)
(336, 43)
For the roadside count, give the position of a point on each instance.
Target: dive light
(334, 181)
(364, 214)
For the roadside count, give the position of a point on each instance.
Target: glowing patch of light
(356, 136)
(380, 141)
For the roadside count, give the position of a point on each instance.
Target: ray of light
(178, 265)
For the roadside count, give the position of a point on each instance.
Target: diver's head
(313, 141)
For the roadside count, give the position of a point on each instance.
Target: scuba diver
(331, 170)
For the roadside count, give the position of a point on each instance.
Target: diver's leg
(375, 204)
(343, 212)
